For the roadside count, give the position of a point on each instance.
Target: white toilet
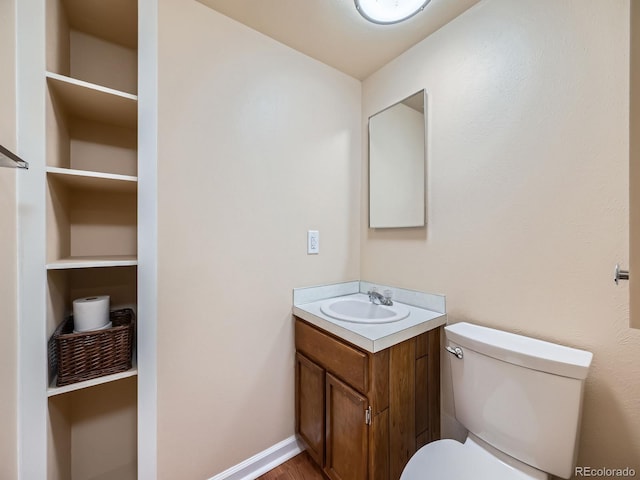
(521, 401)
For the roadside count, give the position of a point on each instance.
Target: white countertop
(372, 338)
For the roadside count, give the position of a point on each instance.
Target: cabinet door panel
(310, 406)
(422, 395)
(342, 360)
(346, 432)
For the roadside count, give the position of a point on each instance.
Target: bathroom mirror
(397, 164)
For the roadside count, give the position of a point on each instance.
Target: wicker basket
(76, 357)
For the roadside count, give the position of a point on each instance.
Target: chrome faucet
(378, 299)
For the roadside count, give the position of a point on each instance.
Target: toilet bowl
(520, 400)
(473, 459)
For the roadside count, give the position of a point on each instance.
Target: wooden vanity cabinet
(363, 415)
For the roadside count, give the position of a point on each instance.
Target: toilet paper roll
(90, 313)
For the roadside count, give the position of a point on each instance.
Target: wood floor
(300, 467)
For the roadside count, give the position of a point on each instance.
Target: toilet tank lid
(520, 350)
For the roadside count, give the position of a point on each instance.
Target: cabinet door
(346, 432)
(310, 406)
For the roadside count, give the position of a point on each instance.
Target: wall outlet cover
(313, 242)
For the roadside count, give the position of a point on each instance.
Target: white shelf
(52, 391)
(93, 262)
(94, 102)
(93, 180)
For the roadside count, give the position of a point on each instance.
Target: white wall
(528, 191)
(257, 144)
(8, 249)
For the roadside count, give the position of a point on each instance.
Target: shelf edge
(71, 263)
(91, 86)
(71, 172)
(54, 391)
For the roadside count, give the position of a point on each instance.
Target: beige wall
(8, 249)
(257, 144)
(528, 202)
(103, 432)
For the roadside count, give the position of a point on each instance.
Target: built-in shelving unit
(85, 126)
(91, 173)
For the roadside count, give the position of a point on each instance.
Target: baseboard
(262, 462)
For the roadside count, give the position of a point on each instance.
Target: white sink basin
(362, 311)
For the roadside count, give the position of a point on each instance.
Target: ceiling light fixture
(386, 12)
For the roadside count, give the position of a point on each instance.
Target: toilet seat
(450, 459)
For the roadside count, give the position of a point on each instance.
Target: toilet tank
(521, 395)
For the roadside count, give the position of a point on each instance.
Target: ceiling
(333, 32)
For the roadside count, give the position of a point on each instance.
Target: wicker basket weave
(82, 356)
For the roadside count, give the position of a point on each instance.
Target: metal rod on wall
(11, 160)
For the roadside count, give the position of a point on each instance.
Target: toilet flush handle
(457, 351)
(619, 274)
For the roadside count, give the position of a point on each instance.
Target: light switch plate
(313, 242)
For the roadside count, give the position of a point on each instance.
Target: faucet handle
(387, 293)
